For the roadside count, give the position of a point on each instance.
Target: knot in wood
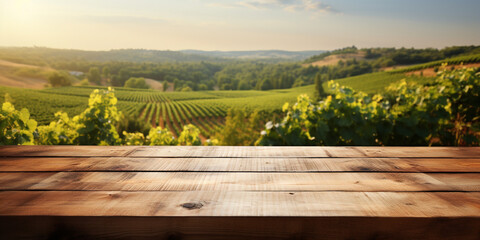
(192, 205)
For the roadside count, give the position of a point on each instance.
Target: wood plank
(193, 181)
(220, 203)
(66, 151)
(127, 164)
(420, 152)
(238, 228)
(231, 151)
(384, 152)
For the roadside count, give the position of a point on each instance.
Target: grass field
(22, 75)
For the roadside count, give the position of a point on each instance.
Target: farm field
(173, 110)
(475, 58)
(204, 109)
(376, 82)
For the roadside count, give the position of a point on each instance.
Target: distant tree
(186, 89)
(226, 86)
(319, 86)
(84, 82)
(136, 83)
(59, 79)
(266, 84)
(243, 85)
(202, 87)
(165, 86)
(106, 72)
(94, 75)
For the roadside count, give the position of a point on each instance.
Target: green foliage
(190, 136)
(136, 83)
(165, 86)
(63, 131)
(59, 79)
(134, 139)
(451, 61)
(241, 128)
(131, 124)
(319, 86)
(106, 72)
(266, 85)
(212, 142)
(8, 98)
(97, 122)
(16, 127)
(94, 75)
(407, 114)
(321, 56)
(377, 82)
(462, 89)
(186, 89)
(159, 136)
(84, 82)
(32, 72)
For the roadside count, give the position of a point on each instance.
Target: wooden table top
(239, 181)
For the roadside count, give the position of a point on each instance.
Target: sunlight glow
(19, 12)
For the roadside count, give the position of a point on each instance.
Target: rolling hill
(260, 54)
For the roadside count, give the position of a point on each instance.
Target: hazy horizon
(238, 25)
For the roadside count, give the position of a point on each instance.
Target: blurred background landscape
(258, 72)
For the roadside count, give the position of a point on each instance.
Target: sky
(238, 24)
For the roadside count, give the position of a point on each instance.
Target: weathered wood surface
(215, 181)
(93, 192)
(231, 152)
(181, 164)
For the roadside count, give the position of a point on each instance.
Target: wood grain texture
(229, 151)
(385, 152)
(196, 181)
(127, 164)
(185, 192)
(68, 151)
(225, 203)
(445, 152)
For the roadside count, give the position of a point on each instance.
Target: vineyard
(204, 109)
(450, 61)
(171, 110)
(376, 82)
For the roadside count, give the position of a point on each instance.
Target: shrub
(16, 127)
(160, 136)
(445, 113)
(190, 136)
(136, 83)
(97, 122)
